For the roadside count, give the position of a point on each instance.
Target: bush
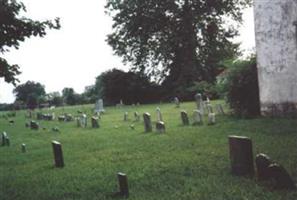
(242, 90)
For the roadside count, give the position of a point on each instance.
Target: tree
(30, 93)
(179, 41)
(55, 99)
(70, 97)
(13, 30)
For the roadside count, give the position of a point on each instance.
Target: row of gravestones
(242, 164)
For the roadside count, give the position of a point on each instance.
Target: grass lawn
(187, 162)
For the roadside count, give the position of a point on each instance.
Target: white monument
(276, 48)
(99, 106)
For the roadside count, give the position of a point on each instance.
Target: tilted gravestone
(136, 116)
(95, 123)
(199, 103)
(197, 118)
(262, 164)
(34, 125)
(281, 177)
(123, 185)
(58, 154)
(159, 114)
(211, 119)
(184, 118)
(176, 101)
(147, 122)
(241, 156)
(160, 127)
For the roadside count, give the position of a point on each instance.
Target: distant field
(187, 162)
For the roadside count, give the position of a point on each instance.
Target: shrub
(242, 90)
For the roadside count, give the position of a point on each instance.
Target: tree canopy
(179, 41)
(15, 29)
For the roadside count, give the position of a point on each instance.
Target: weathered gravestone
(61, 118)
(147, 122)
(58, 154)
(160, 127)
(211, 119)
(281, 177)
(34, 125)
(83, 120)
(99, 106)
(68, 118)
(123, 185)
(241, 156)
(220, 109)
(4, 135)
(199, 103)
(262, 164)
(159, 114)
(176, 101)
(184, 118)
(197, 117)
(23, 148)
(95, 123)
(136, 116)
(126, 116)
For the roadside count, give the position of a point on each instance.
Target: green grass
(189, 162)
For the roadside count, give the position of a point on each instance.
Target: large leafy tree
(15, 29)
(30, 93)
(181, 41)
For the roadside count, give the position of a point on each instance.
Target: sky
(74, 55)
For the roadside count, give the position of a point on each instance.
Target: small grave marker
(95, 123)
(147, 122)
(160, 127)
(23, 147)
(197, 118)
(58, 154)
(211, 118)
(262, 164)
(281, 177)
(184, 118)
(123, 185)
(126, 116)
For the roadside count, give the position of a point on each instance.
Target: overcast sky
(74, 55)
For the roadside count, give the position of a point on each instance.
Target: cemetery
(227, 158)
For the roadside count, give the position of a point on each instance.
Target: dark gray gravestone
(58, 154)
(184, 118)
(95, 123)
(123, 185)
(34, 125)
(262, 164)
(281, 177)
(160, 127)
(23, 147)
(241, 156)
(147, 122)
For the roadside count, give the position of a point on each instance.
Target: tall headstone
(199, 102)
(176, 102)
(83, 120)
(147, 122)
(99, 106)
(58, 154)
(159, 114)
(241, 156)
(126, 116)
(184, 118)
(276, 48)
(123, 185)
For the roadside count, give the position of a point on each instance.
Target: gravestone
(78, 122)
(184, 118)
(68, 118)
(83, 120)
(95, 123)
(23, 147)
(126, 116)
(281, 177)
(136, 116)
(176, 101)
(147, 122)
(220, 109)
(4, 135)
(199, 103)
(58, 154)
(197, 118)
(34, 125)
(241, 155)
(99, 106)
(123, 185)
(160, 127)
(61, 118)
(159, 114)
(209, 108)
(262, 164)
(211, 119)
